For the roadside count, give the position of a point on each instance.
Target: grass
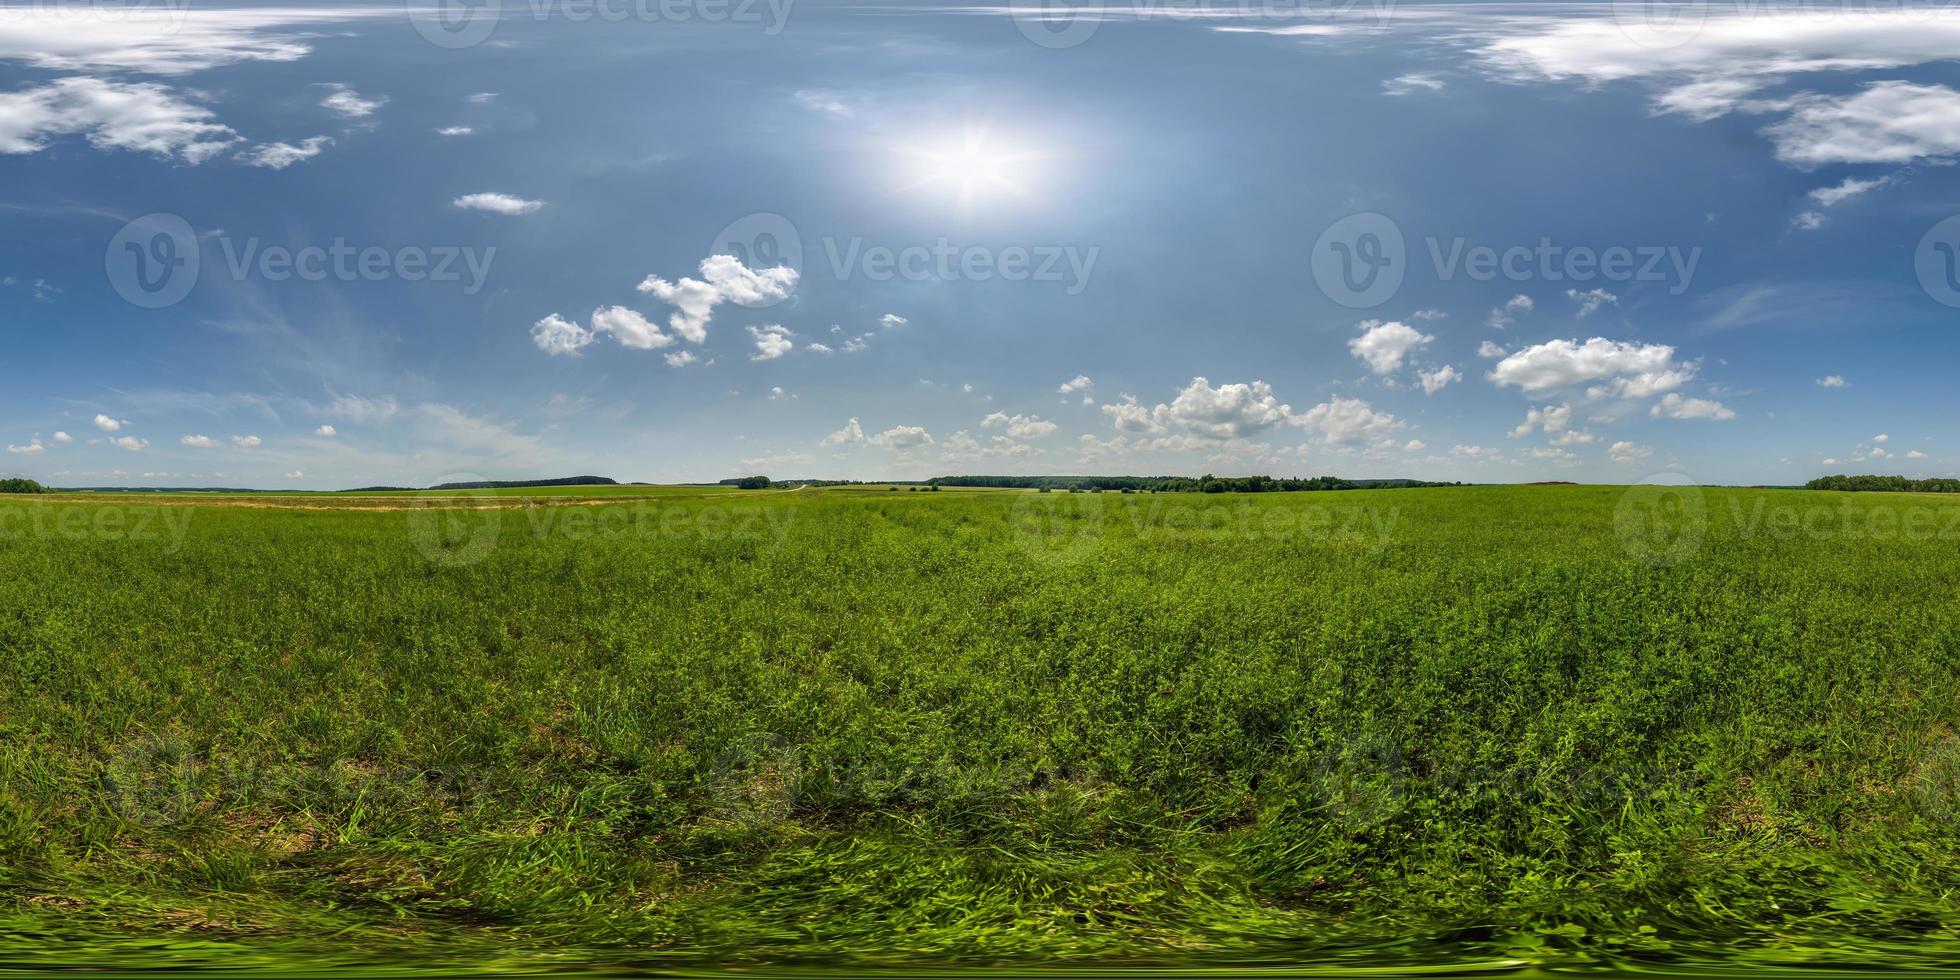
(861, 729)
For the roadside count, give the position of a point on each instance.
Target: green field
(1487, 726)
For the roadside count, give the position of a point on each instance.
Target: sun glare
(973, 167)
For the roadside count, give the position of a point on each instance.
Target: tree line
(1177, 484)
(21, 485)
(1891, 483)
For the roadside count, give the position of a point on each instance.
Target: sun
(974, 166)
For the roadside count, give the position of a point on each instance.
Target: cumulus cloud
(1832, 381)
(771, 342)
(107, 424)
(1383, 345)
(1628, 369)
(162, 39)
(724, 279)
(1229, 411)
(680, 358)
(850, 435)
(1437, 380)
(326, 430)
(1347, 421)
(556, 335)
(1590, 300)
(1489, 349)
(246, 442)
(130, 443)
(454, 131)
(1507, 314)
(63, 438)
(33, 448)
(496, 203)
(1628, 452)
(1674, 406)
(1886, 122)
(141, 116)
(1548, 419)
(199, 442)
(892, 320)
(1019, 426)
(902, 437)
(1129, 416)
(629, 328)
(349, 103)
(1477, 454)
(279, 156)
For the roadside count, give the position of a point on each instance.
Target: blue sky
(691, 240)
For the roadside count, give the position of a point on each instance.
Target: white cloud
(295, 474)
(279, 156)
(1590, 300)
(1631, 370)
(63, 438)
(891, 320)
(1887, 122)
(1549, 419)
(454, 131)
(1489, 349)
(1915, 454)
(1850, 187)
(199, 442)
(1019, 426)
(1411, 83)
(160, 38)
(902, 437)
(629, 328)
(1503, 316)
(246, 442)
(680, 358)
(130, 443)
(1833, 381)
(1807, 221)
(777, 394)
(1437, 380)
(556, 335)
(771, 342)
(1129, 416)
(326, 430)
(1478, 454)
(107, 424)
(817, 347)
(1347, 421)
(1229, 411)
(1079, 383)
(1628, 452)
(33, 448)
(1383, 345)
(483, 98)
(723, 279)
(1676, 407)
(850, 435)
(496, 203)
(1881, 438)
(349, 103)
(141, 116)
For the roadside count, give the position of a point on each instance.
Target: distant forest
(1177, 484)
(1893, 483)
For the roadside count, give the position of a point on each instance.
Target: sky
(326, 245)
